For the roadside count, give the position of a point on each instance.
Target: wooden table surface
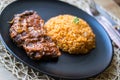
(117, 1)
(109, 5)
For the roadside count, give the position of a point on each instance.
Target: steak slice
(27, 31)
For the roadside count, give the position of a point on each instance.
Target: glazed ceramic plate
(67, 66)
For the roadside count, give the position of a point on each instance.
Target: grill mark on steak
(28, 32)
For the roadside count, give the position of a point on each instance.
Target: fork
(106, 23)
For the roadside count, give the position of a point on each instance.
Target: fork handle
(113, 34)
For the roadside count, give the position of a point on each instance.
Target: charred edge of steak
(28, 32)
(42, 48)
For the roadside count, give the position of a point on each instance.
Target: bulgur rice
(75, 38)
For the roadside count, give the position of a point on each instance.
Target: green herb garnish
(76, 20)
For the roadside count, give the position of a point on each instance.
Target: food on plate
(28, 32)
(71, 34)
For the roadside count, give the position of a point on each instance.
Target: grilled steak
(28, 32)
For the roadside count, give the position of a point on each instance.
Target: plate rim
(54, 75)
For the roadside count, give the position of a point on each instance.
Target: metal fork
(106, 23)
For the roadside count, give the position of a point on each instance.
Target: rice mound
(75, 38)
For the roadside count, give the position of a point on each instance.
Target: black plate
(67, 66)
